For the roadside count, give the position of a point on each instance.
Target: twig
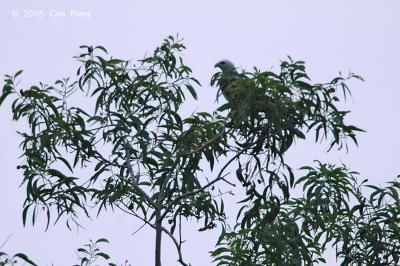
(140, 228)
(137, 216)
(205, 144)
(5, 241)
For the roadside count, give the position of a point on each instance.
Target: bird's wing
(243, 90)
(233, 88)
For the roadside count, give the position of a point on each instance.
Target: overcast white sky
(331, 36)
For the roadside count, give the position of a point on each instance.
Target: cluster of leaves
(5, 259)
(373, 237)
(90, 254)
(332, 211)
(276, 108)
(53, 130)
(335, 210)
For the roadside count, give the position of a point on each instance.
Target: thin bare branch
(178, 246)
(5, 241)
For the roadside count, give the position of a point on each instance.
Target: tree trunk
(158, 240)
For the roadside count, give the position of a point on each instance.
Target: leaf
(101, 48)
(149, 160)
(7, 90)
(57, 173)
(192, 91)
(66, 163)
(24, 213)
(93, 178)
(104, 255)
(83, 250)
(298, 133)
(240, 176)
(224, 107)
(19, 72)
(102, 240)
(25, 258)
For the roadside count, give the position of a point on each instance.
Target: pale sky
(330, 36)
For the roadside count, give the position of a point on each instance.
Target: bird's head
(226, 66)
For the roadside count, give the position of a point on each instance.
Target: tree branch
(134, 182)
(178, 246)
(164, 185)
(205, 144)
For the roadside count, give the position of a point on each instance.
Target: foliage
(88, 255)
(5, 259)
(143, 157)
(91, 253)
(332, 211)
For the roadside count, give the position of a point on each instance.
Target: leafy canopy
(117, 138)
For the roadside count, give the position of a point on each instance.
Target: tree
(144, 159)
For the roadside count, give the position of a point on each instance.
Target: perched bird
(254, 105)
(238, 88)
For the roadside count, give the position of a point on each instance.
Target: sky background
(330, 36)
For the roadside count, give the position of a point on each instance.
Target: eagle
(237, 88)
(251, 102)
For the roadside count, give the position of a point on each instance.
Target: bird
(253, 103)
(238, 88)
